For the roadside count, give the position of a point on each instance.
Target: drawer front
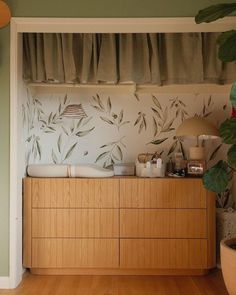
(162, 193)
(163, 253)
(72, 253)
(163, 223)
(75, 193)
(75, 223)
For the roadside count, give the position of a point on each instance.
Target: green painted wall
(65, 8)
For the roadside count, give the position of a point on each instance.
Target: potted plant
(218, 177)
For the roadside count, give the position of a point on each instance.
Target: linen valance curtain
(141, 58)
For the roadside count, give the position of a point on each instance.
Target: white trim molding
(121, 25)
(5, 283)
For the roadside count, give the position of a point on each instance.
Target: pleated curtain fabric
(141, 58)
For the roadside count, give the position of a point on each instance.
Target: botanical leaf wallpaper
(106, 129)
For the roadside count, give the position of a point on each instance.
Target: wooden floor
(211, 284)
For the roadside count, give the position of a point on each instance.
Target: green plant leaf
(227, 48)
(224, 36)
(233, 95)
(232, 156)
(228, 131)
(216, 178)
(214, 12)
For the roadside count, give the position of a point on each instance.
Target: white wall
(117, 126)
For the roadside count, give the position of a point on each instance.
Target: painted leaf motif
(70, 151)
(136, 96)
(182, 149)
(159, 141)
(120, 118)
(54, 157)
(86, 121)
(84, 133)
(155, 126)
(100, 102)
(109, 105)
(125, 122)
(107, 120)
(64, 129)
(156, 102)
(38, 149)
(172, 148)
(79, 123)
(59, 142)
(96, 108)
(209, 101)
(167, 128)
(119, 152)
(65, 99)
(141, 126)
(101, 156)
(138, 120)
(144, 122)
(214, 153)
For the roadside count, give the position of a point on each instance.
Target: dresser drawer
(162, 193)
(75, 223)
(163, 253)
(72, 253)
(163, 223)
(74, 193)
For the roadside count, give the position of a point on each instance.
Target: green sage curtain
(150, 58)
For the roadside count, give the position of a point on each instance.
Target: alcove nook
(79, 118)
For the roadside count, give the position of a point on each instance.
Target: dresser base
(103, 271)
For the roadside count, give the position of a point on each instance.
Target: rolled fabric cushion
(48, 170)
(81, 170)
(90, 170)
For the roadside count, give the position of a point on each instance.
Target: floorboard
(211, 284)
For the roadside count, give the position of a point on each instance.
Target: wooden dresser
(125, 225)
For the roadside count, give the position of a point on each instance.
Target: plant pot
(225, 228)
(228, 263)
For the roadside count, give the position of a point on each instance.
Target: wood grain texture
(27, 222)
(211, 284)
(163, 223)
(71, 253)
(75, 193)
(128, 224)
(162, 193)
(211, 230)
(75, 223)
(163, 253)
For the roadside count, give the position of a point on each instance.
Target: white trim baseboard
(5, 283)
